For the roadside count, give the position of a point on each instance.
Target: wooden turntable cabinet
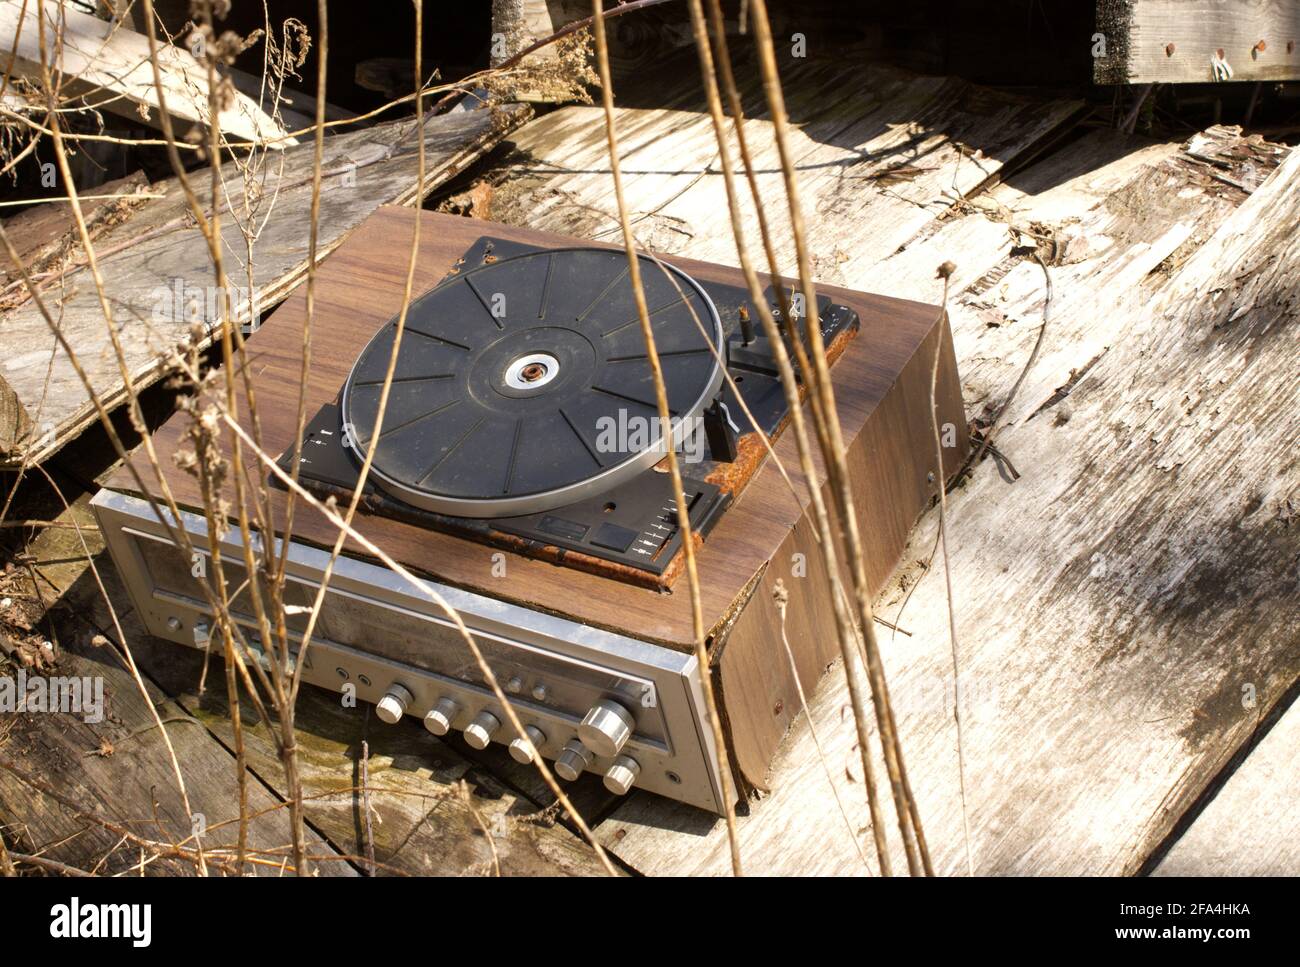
(489, 503)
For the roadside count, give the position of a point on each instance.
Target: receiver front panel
(377, 630)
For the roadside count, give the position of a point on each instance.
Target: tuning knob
(439, 718)
(622, 774)
(478, 734)
(523, 748)
(606, 727)
(393, 705)
(572, 760)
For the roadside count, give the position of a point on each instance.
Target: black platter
(515, 378)
(522, 409)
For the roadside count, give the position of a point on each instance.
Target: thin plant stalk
(674, 470)
(908, 818)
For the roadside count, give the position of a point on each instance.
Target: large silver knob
(439, 718)
(572, 760)
(478, 734)
(393, 705)
(622, 774)
(606, 727)
(523, 748)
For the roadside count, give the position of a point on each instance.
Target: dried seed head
(780, 595)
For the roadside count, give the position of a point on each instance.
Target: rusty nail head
(1261, 46)
(779, 707)
(1169, 50)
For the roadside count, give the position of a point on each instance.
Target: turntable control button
(562, 527)
(478, 734)
(572, 760)
(614, 538)
(393, 705)
(439, 718)
(622, 774)
(525, 749)
(606, 727)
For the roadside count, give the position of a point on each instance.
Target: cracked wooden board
(1252, 825)
(45, 234)
(1112, 603)
(881, 153)
(157, 260)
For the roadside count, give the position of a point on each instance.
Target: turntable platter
(524, 384)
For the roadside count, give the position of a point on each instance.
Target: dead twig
(1029, 364)
(945, 272)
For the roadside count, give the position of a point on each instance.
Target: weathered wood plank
(159, 277)
(1111, 604)
(1252, 825)
(869, 181)
(109, 65)
(15, 423)
(45, 234)
(1182, 41)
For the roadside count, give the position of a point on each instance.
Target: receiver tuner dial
(478, 734)
(606, 727)
(393, 705)
(525, 749)
(622, 774)
(439, 718)
(572, 760)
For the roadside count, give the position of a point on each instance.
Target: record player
(519, 468)
(522, 410)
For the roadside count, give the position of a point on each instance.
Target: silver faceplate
(376, 630)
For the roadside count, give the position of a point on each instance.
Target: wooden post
(1196, 41)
